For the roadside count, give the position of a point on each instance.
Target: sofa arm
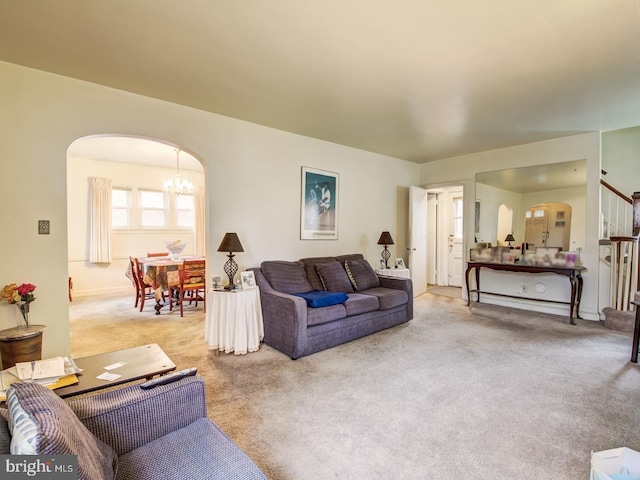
(399, 283)
(129, 417)
(284, 317)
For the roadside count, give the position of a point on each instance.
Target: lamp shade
(385, 239)
(230, 243)
(510, 238)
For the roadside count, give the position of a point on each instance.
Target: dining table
(162, 273)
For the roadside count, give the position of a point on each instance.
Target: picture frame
(400, 263)
(248, 279)
(382, 265)
(319, 200)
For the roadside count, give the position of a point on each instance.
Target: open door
(418, 239)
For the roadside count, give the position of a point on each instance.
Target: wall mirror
(543, 205)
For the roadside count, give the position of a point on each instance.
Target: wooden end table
(21, 344)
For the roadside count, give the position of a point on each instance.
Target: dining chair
(192, 287)
(134, 280)
(157, 254)
(145, 290)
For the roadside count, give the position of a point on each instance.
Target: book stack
(52, 373)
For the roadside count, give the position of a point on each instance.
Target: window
(135, 208)
(120, 207)
(152, 209)
(184, 211)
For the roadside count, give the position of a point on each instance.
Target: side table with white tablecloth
(394, 272)
(233, 322)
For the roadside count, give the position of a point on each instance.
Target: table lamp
(510, 239)
(230, 243)
(385, 239)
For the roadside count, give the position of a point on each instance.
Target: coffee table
(145, 361)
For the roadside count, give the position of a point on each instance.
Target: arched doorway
(137, 168)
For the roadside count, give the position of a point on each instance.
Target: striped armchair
(128, 433)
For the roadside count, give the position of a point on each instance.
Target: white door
(454, 247)
(418, 239)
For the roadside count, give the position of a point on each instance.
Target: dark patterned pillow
(286, 277)
(361, 274)
(334, 278)
(42, 423)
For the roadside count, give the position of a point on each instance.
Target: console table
(574, 274)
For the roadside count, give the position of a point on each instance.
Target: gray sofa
(125, 434)
(291, 325)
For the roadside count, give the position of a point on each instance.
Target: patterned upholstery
(159, 433)
(36, 410)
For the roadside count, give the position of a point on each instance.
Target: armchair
(129, 433)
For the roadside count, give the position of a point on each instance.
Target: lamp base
(231, 286)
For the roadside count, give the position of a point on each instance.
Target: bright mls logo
(50, 467)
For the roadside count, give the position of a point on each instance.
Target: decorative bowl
(175, 248)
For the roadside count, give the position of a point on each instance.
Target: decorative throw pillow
(362, 276)
(334, 278)
(286, 277)
(41, 423)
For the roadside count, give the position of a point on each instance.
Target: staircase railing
(624, 272)
(616, 212)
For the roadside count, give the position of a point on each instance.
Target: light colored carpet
(455, 292)
(457, 393)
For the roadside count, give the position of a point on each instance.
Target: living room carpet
(457, 393)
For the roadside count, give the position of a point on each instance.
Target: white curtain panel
(199, 223)
(100, 220)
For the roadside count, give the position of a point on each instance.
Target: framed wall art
(319, 205)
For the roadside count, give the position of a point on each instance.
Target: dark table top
(140, 362)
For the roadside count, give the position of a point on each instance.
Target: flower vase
(24, 310)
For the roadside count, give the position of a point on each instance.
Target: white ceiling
(414, 79)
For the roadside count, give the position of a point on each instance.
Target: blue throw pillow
(319, 298)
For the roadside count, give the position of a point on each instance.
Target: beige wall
(462, 170)
(252, 176)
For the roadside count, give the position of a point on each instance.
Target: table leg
(636, 337)
(579, 295)
(466, 280)
(572, 302)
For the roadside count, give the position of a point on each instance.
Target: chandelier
(177, 184)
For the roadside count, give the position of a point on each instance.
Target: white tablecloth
(233, 322)
(394, 272)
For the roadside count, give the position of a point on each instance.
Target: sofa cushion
(199, 450)
(361, 274)
(320, 298)
(41, 423)
(388, 297)
(334, 277)
(312, 274)
(286, 277)
(318, 316)
(349, 256)
(359, 303)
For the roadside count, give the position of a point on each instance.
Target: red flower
(25, 288)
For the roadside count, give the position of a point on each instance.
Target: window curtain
(200, 250)
(100, 220)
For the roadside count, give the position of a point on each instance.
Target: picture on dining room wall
(319, 205)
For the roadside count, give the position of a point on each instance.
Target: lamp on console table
(230, 243)
(385, 239)
(510, 239)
